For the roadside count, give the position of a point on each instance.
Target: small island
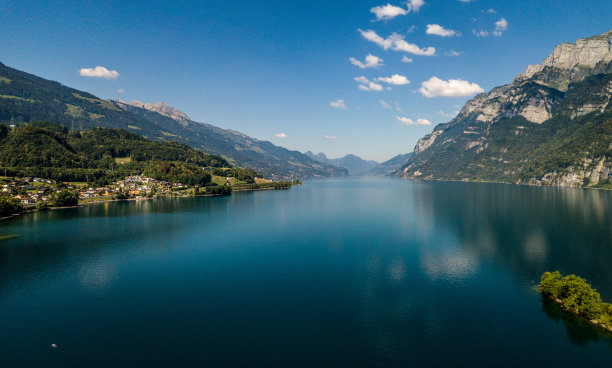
(575, 295)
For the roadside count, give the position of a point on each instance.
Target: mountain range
(26, 98)
(552, 125)
(353, 163)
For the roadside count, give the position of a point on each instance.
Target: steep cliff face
(584, 54)
(551, 126)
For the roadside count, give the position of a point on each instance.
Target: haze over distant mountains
(353, 163)
(552, 125)
(390, 166)
(26, 98)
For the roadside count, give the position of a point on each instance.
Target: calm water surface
(355, 272)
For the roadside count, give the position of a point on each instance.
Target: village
(34, 191)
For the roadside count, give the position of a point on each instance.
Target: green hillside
(99, 155)
(25, 98)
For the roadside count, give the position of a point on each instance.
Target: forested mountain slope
(551, 126)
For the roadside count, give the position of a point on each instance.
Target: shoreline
(592, 321)
(33, 209)
(499, 182)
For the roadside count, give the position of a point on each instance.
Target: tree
(576, 295)
(9, 206)
(64, 198)
(549, 284)
(122, 195)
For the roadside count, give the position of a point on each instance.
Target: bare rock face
(568, 62)
(591, 171)
(572, 62)
(426, 141)
(164, 109)
(585, 53)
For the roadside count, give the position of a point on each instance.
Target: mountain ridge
(353, 163)
(391, 165)
(552, 125)
(262, 156)
(26, 97)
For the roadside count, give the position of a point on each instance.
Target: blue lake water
(356, 272)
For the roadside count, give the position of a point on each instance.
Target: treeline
(177, 172)
(575, 295)
(101, 156)
(245, 175)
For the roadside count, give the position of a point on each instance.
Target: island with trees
(575, 295)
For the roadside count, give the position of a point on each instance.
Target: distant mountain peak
(164, 109)
(353, 163)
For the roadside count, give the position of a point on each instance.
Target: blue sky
(272, 67)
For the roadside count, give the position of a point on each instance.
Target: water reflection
(528, 229)
(579, 330)
(89, 234)
(371, 271)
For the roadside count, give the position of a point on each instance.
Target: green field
(123, 160)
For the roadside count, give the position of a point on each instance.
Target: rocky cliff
(551, 126)
(164, 109)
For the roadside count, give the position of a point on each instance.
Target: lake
(355, 272)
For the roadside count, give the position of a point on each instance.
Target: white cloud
(99, 72)
(491, 11)
(438, 30)
(372, 36)
(412, 28)
(406, 59)
(435, 87)
(453, 53)
(281, 135)
(410, 122)
(384, 104)
(396, 42)
(339, 104)
(395, 79)
(399, 44)
(330, 137)
(120, 90)
(415, 5)
(385, 12)
(371, 61)
(500, 26)
(480, 33)
(367, 85)
(397, 107)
